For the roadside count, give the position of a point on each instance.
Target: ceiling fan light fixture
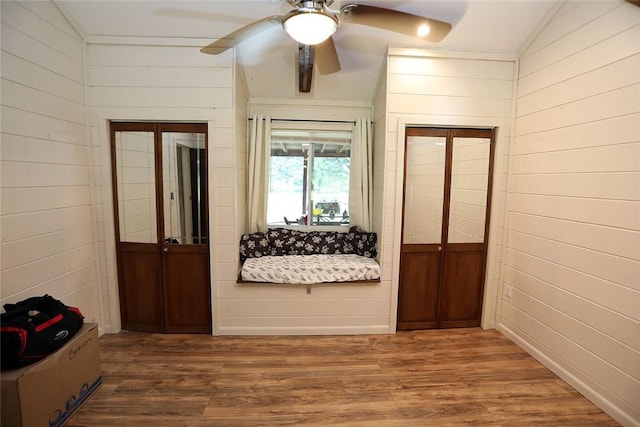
(310, 26)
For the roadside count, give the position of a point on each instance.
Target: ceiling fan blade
(396, 21)
(241, 34)
(327, 57)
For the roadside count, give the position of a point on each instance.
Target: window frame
(314, 136)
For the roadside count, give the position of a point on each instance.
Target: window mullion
(311, 153)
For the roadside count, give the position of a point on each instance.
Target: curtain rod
(308, 120)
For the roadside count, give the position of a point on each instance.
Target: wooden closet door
(422, 239)
(467, 225)
(160, 194)
(185, 249)
(134, 173)
(447, 187)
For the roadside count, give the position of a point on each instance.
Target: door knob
(165, 249)
(439, 248)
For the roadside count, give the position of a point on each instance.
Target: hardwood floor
(421, 378)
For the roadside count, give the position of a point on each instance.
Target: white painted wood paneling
(622, 72)
(157, 57)
(157, 80)
(451, 89)
(616, 325)
(35, 50)
(591, 33)
(619, 186)
(607, 51)
(47, 229)
(25, 98)
(614, 130)
(571, 16)
(383, 179)
(573, 242)
(408, 103)
(24, 72)
(168, 76)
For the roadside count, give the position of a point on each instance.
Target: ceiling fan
(313, 23)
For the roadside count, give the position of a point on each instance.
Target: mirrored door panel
(136, 186)
(469, 183)
(184, 186)
(424, 189)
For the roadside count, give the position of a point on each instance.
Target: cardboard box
(48, 392)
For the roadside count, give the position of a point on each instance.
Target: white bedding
(310, 269)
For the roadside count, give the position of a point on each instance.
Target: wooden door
(185, 252)
(447, 187)
(421, 250)
(163, 257)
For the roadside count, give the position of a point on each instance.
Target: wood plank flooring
(420, 378)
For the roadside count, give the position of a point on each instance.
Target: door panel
(461, 304)
(424, 189)
(187, 297)
(140, 288)
(418, 299)
(135, 180)
(469, 184)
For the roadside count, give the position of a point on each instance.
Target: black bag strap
(40, 302)
(18, 310)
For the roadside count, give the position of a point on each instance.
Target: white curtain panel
(361, 176)
(258, 179)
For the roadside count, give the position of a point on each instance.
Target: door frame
(444, 247)
(496, 249)
(158, 128)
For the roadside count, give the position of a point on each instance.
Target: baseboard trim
(587, 391)
(304, 330)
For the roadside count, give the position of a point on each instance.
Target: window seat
(284, 256)
(310, 269)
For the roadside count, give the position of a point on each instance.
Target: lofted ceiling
(269, 59)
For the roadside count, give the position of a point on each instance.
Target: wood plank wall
(163, 80)
(226, 237)
(438, 88)
(381, 215)
(46, 214)
(573, 248)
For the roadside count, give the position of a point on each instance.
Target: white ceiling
(269, 58)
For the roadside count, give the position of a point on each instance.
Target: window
(309, 178)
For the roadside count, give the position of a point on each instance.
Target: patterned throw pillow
(323, 242)
(253, 245)
(359, 242)
(283, 241)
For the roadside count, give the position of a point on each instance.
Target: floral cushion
(323, 242)
(254, 245)
(284, 241)
(360, 242)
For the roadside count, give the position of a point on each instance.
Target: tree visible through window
(309, 178)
